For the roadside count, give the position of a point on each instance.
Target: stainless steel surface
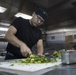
(63, 70)
(68, 57)
(6, 73)
(2, 58)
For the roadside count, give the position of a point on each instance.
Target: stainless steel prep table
(63, 70)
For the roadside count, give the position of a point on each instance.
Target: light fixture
(3, 29)
(25, 16)
(2, 9)
(4, 24)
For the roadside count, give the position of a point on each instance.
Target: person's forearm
(13, 40)
(40, 47)
(40, 51)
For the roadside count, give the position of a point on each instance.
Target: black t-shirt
(26, 33)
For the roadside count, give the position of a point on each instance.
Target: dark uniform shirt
(26, 33)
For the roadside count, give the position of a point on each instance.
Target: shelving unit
(70, 40)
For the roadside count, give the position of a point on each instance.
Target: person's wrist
(21, 45)
(40, 54)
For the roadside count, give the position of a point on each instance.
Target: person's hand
(39, 54)
(25, 50)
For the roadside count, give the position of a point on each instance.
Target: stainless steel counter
(63, 70)
(2, 58)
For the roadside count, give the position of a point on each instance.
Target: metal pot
(68, 56)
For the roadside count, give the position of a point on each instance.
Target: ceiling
(62, 13)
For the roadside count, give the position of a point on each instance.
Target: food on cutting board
(41, 59)
(35, 59)
(38, 59)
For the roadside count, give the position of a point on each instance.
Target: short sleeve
(16, 23)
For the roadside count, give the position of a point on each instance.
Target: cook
(23, 34)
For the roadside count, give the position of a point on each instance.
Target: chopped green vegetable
(57, 54)
(36, 59)
(12, 64)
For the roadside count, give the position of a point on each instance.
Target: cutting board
(28, 69)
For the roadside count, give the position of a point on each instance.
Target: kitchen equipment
(68, 56)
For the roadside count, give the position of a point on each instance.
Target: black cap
(41, 12)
